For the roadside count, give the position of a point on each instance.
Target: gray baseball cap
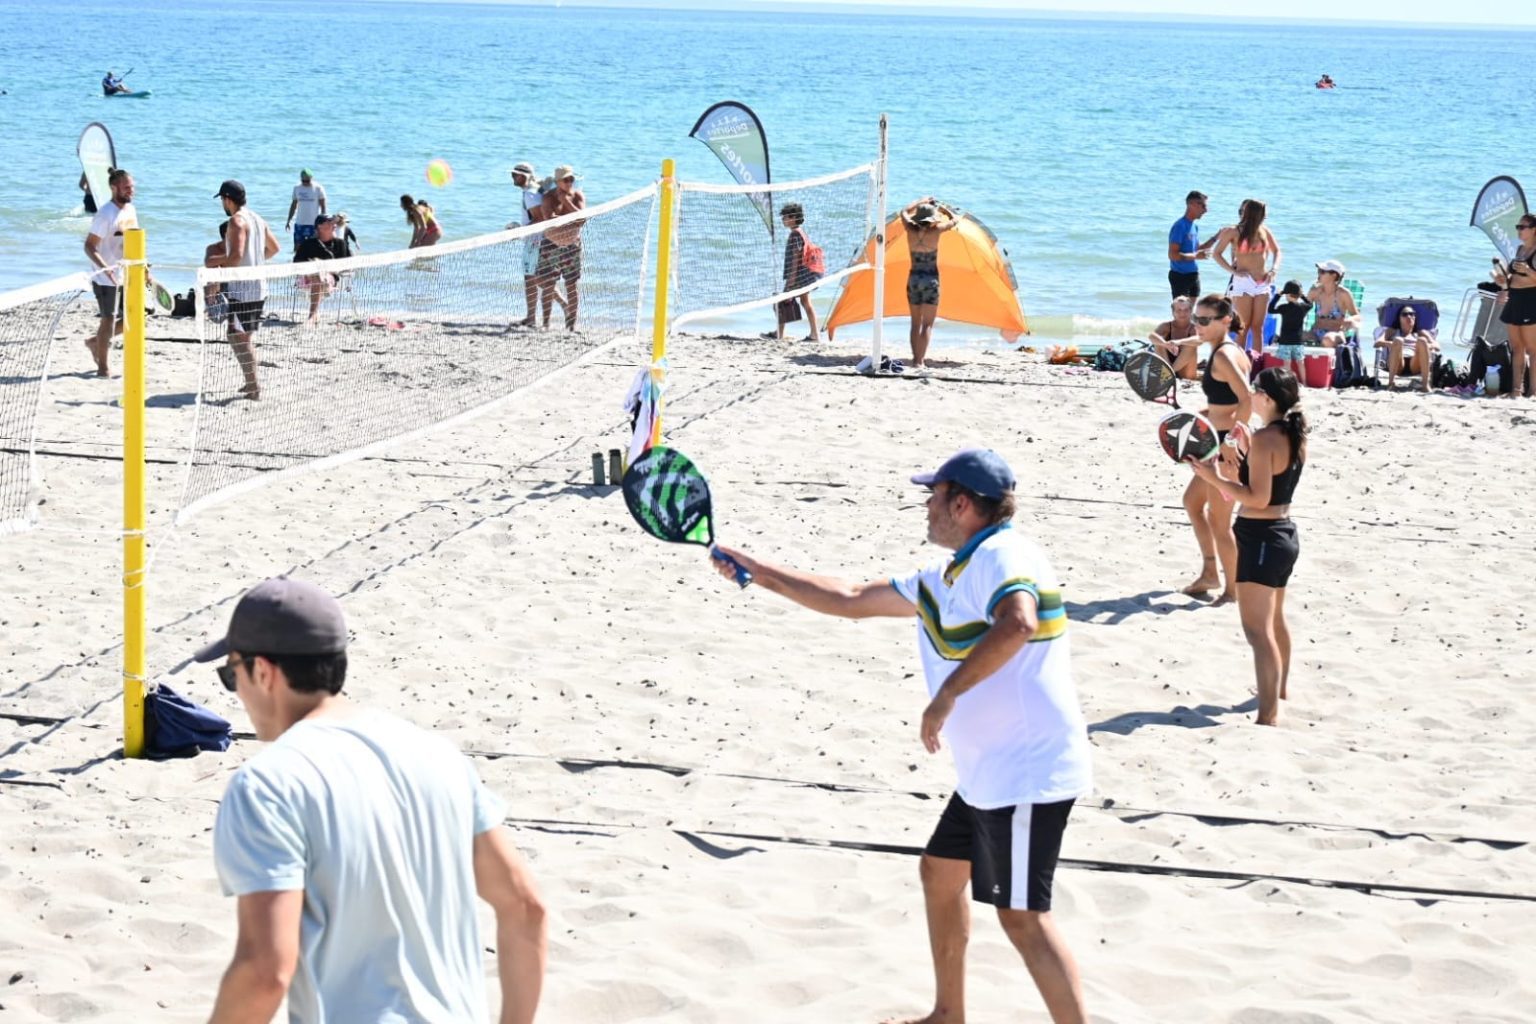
(981, 470)
(282, 616)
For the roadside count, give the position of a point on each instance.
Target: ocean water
(1075, 141)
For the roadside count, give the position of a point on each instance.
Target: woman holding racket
(1267, 545)
(1225, 383)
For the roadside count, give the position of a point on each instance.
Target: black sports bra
(1217, 392)
(1282, 485)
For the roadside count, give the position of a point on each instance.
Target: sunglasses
(1410, 316)
(1201, 320)
(227, 673)
(1524, 227)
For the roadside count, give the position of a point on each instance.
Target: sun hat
(926, 213)
(526, 170)
(324, 218)
(565, 171)
(1332, 266)
(305, 173)
(232, 189)
(980, 470)
(282, 616)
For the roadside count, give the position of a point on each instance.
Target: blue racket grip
(743, 578)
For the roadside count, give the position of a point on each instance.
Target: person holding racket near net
(1267, 545)
(992, 635)
(1225, 383)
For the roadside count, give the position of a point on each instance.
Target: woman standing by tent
(926, 222)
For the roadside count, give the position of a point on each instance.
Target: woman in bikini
(1267, 544)
(1228, 400)
(1337, 313)
(925, 222)
(1251, 244)
(1520, 307)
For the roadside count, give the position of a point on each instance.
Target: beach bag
(1485, 355)
(184, 305)
(789, 310)
(813, 257)
(1349, 368)
(1445, 375)
(177, 727)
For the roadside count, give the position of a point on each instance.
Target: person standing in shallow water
(1267, 544)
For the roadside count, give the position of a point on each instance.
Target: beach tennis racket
(161, 295)
(669, 498)
(1152, 378)
(1188, 437)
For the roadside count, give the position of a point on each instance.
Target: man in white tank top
(249, 242)
(526, 180)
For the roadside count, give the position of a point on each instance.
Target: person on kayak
(112, 84)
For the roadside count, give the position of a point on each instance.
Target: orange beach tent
(977, 285)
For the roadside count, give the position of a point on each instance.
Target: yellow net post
(133, 496)
(663, 285)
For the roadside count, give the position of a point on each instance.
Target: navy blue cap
(979, 470)
(282, 616)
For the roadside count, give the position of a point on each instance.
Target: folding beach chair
(1386, 317)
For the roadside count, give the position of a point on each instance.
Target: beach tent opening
(977, 285)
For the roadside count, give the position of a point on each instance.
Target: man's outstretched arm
(825, 594)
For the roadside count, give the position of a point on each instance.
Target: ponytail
(1281, 387)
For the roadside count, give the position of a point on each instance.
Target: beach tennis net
(351, 355)
(29, 321)
(729, 240)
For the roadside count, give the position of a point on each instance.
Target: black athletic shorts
(245, 317)
(1266, 550)
(109, 300)
(1012, 850)
(1184, 283)
(1520, 307)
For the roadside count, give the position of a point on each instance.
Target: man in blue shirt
(1184, 249)
(112, 84)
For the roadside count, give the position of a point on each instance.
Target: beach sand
(661, 737)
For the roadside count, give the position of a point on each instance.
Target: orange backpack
(813, 257)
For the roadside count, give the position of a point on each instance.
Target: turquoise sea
(1074, 140)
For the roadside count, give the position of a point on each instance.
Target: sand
(641, 716)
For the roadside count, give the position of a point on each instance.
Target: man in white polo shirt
(992, 632)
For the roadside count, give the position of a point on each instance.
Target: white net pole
(306, 366)
(29, 320)
(878, 309)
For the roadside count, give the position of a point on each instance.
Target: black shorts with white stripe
(1012, 850)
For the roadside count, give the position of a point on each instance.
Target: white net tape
(726, 258)
(29, 319)
(350, 355)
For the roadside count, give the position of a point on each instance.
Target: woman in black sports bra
(1519, 315)
(1225, 384)
(1267, 544)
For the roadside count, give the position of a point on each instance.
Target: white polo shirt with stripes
(1017, 737)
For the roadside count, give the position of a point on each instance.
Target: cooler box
(1317, 368)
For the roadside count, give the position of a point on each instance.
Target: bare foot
(1227, 597)
(936, 1017)
(1271, 720)
(1206, 582)
(251, 391)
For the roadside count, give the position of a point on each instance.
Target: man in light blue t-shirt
(356, 844)
(1184, 249)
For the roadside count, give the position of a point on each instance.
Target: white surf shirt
(1018, 736)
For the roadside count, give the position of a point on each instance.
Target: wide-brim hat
(565, 171)
(1332, 266)
(526, 170)
(925, 214)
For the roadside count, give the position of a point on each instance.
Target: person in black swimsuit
(925, 222)
(1225, 383)
(1267, 544)
(1519, 314)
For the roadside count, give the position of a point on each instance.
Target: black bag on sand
(184, 305)
(1485, 355)
(1349, 368)
(789, 310)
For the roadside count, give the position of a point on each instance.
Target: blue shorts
(301, 232)
(1291, 353)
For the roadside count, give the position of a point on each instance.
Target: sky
(1458, 13)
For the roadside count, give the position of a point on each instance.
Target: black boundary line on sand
(1132, 815)
(1418, 893)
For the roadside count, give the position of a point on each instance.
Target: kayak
(127, 95)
